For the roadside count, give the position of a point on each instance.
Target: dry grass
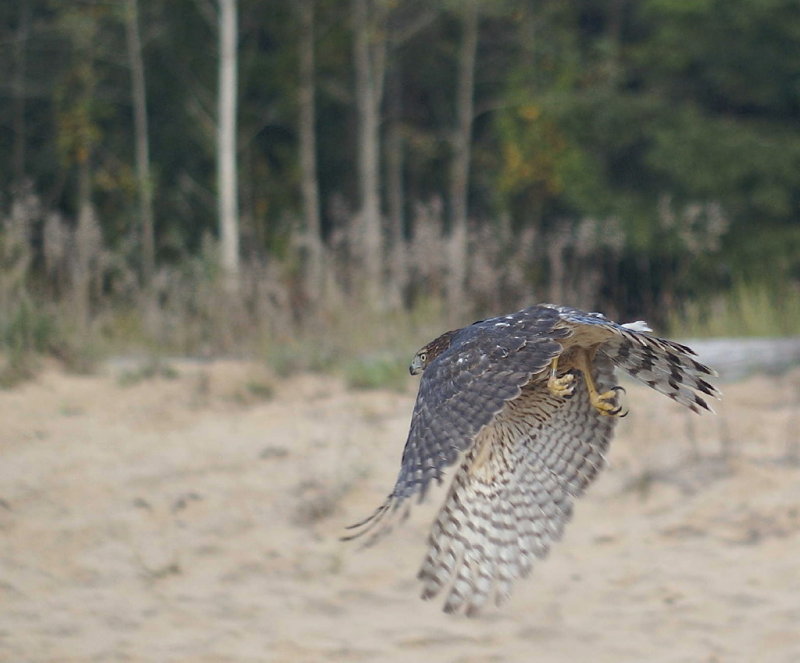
(748, 310)
(74, 298)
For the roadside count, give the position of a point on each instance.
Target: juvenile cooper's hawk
(530, 400)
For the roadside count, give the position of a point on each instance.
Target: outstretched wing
(463, 389)
(513, 493)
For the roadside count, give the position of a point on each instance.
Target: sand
(196, 518)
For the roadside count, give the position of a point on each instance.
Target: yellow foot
(563, 387)
(606, 403)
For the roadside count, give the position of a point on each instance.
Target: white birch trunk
(226, 145)
(312, 230)
(398, 262)
(86, 245)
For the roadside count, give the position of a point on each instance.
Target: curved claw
(618, 411)
(606, 404)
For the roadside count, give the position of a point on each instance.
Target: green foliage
(377, 372)
(646, 107)
(747, 310)
(644, 157)
(28, 328)
(259, 390)
(154, 367)
(25, 332)
(290, 357)
(353, 343)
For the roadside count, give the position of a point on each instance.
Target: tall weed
(70, 295)
(747, 310)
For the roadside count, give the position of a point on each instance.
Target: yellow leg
(605, 403)
(563, 386)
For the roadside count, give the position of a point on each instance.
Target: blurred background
(227, 225)
(307, 181)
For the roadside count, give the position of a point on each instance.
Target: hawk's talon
(562, 387)
(606, 403)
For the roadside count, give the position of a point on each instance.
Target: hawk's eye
(423, 357)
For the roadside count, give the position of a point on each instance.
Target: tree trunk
(613, 57)
(398, 260)
(312, 230)
(459, 173)
(86, 248)
(369, 56)
(19, 91)
(226, 145)
(142, 139)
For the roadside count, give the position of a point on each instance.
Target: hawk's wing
(463, 389)
(510, 500)
(664, 365)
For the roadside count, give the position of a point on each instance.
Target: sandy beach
(196, 517)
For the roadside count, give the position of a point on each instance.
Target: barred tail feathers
(666, 366)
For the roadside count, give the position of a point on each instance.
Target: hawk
(528, 403)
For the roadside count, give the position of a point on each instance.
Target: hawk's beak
(416, 366)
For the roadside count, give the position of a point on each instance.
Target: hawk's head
(429, 352)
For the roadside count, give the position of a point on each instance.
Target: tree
(309, 184)
(369, 54)
(402, 28)
(626, 135)
(142, 139)
(398, 260)
(21, 35)
(78, 138)
(459, 168)
(226, 145)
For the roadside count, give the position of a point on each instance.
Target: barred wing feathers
(509, 502)
(462, 391)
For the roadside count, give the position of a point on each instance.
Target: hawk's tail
(665, 366)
